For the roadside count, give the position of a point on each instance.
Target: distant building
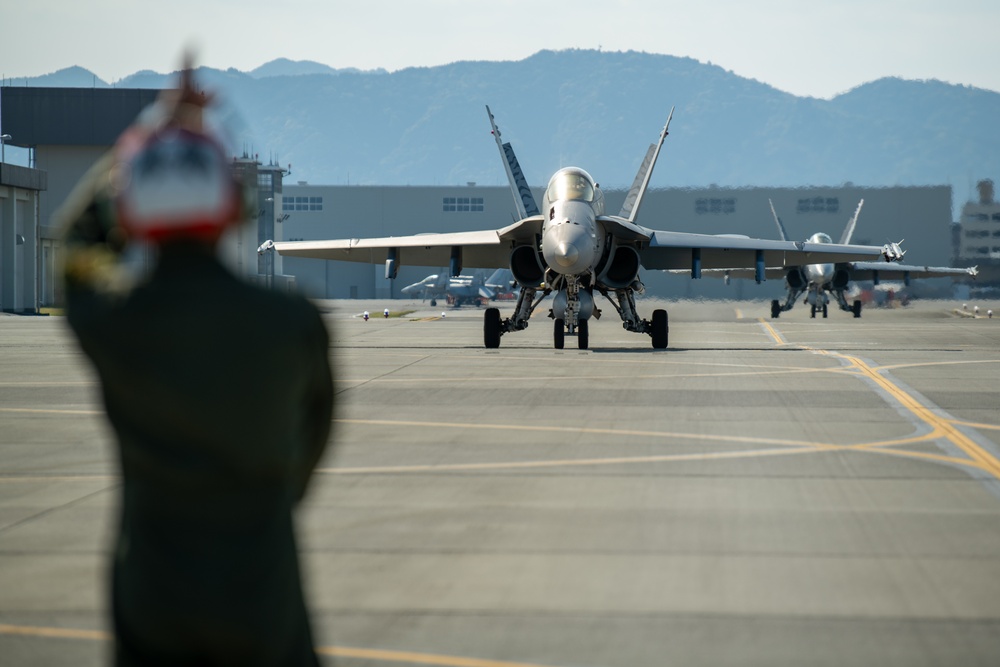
(978, 242)
(66, 131)
(21, 281)
(920, 215)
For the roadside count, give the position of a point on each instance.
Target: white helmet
(174, 183)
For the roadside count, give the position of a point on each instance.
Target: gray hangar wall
(920, 215)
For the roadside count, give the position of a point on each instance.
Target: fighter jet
(570, 248)
(503, 285)
(456, 290)
(818, 281)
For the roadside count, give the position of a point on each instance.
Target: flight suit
(220, 395)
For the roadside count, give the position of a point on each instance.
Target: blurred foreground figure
(220, 395)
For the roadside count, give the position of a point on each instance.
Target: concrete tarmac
(765, 492)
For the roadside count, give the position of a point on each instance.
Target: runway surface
(764, 492)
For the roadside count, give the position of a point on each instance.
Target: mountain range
(598, 110)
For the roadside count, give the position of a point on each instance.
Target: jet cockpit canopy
(571, 183)
(820, 237)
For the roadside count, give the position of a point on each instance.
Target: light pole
(268, 247)
(270, 234)
(4, 138)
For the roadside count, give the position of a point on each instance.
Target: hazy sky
(806, 47)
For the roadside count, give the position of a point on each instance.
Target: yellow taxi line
(407, 657)
(947, 428)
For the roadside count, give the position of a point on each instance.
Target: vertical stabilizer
(630, 209)
(849, 230)
(777, 220)
(523, 199)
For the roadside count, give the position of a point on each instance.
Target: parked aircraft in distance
(571, 248)
(818, 281)
(456, 290)
(503, 285)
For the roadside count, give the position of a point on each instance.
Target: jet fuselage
(818, 275)
(572, 238)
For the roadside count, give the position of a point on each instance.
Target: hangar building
(67, 130)
(920, 215)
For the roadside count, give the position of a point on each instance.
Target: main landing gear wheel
(660, 329)
(775, 309)
(824, 310)
(583, 334)
(559, 334)
(434, 302)
(857, 309)
(491, 328)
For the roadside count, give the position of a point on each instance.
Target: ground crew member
(219, 393)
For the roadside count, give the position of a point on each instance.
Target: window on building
(715, 206)
(302, 204)
(455, 204)
(819, 205)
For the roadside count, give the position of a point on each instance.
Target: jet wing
(678, 250)
(489, 249)
(867, 271)
(859, 271)
(769, 273)
(623, 229)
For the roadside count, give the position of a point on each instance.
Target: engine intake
(526, 265)
(623, 268)
(796, 279)
(841, 277)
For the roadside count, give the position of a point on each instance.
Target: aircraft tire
(434, 303)
(559, 335)
(583, 334)
(775, 309)
(491, 328)
(857, 308)
(824, 311)
(660, 329)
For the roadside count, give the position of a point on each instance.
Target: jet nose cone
(567, 254)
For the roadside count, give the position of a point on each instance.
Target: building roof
(70, 116)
